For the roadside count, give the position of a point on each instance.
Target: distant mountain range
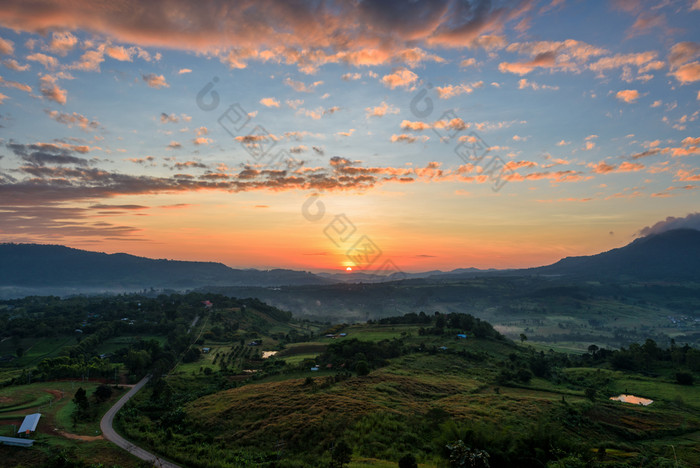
(54, 269)
(670, 255)
(53, 266)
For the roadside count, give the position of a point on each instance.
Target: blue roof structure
(29, 423)
(16, 441)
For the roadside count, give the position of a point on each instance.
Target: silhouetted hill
(55, 266)
(670, 255)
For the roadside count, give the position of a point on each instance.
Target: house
(330, 335)
(253, 343)
(314, 368)
(342, 335)
(29, 424)
(461, 336)
(16, 441)
(205, 350)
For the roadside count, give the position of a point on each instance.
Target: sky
(323, 135)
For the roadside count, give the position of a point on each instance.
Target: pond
(634, 400)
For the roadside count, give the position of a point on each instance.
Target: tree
(462, 456)
(590, 393)
(19, 351)
(593, 349)
(408, 461)
(341, 454)
(80, 399)
(362, 368)
(523, 338)
(684, 378)
(103, 392)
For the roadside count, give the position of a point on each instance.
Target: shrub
(684, 378)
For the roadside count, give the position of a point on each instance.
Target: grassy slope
(258, 416)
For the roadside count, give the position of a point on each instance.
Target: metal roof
(29, 423)
(16, 441)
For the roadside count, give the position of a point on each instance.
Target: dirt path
(68, 435)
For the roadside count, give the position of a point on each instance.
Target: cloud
(690, 221)
(12, 64)
(3, 97)
(50, 90)
(683, 52)
(155, 81)
(353, 33)
(470, 62)
(523, 83)
(688, 73)
(627, 95)
(62, 42)
(119, 53)
(174, 145)
(446, 92)
(544, 60)
(74, 119)
(605, 168)
(351, 76)
(319, 112)
(182, 71)
(301, 87)
(202, 141)
(270, 102)
(41, 154)
(50, 63)
(400, 77)
(7, 47)
(15, 84)
(405, 138)
(90, 60)
(381, 110)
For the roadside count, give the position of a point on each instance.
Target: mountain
(27, 266)
(670, 255)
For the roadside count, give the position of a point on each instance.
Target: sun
(348, 269)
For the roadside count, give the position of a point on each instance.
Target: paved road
(110, 434)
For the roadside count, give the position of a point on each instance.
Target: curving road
(110, 434)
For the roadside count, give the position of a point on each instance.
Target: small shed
(16, 441)
(461, 336)
(29, 424)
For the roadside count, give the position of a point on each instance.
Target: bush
(408, 461)
(684, 378)
(362, 368)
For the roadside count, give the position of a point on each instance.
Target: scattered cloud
(524, 83)
(449, 91)
(400, 78)
(50, 89)
(74, 119)
(270, 102)
(301, 87)
(182, 71)
(381, 110)
(155, 81)
(627, 95)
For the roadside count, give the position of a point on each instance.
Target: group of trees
(649, 357)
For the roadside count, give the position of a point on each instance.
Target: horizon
(378, 136)
(659, 228)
